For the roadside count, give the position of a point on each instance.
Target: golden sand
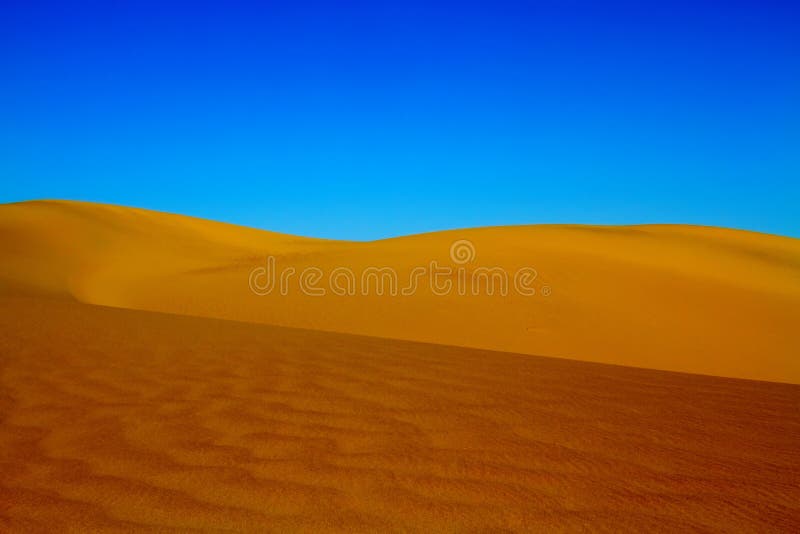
(144, 385)
(692, 299)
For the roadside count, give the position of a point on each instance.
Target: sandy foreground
(127, 420)
(650, 383)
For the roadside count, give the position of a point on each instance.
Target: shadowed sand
(693, 299)
(128, 420)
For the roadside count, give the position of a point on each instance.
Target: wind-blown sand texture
(129, 420)
(117, 416)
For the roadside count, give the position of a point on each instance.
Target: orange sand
(119, 420)
(692, 299)
(115, 416)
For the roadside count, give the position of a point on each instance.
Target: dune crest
(694, 299)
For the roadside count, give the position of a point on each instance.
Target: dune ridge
(693, 299)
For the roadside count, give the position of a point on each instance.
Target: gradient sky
(363, 120)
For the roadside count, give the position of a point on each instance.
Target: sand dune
(701, 300)
(115, 416)
(119, 420)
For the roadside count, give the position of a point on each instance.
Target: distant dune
(693, 299)
(119, 420)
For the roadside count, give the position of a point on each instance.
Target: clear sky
(366, 119)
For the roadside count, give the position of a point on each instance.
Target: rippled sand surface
(121, 420)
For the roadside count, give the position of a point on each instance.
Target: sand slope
(701, 300)
(118, 420)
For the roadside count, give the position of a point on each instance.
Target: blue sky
(364, 120)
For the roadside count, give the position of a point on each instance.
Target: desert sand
(117, 420)
(145, 387)
(692, 299)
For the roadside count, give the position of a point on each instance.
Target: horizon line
(412, 234)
